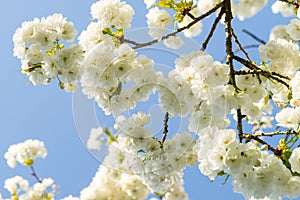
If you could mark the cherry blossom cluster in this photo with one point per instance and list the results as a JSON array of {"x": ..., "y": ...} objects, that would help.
[
  {"x": 25, "y": 153},
  {"x": 212, "y": 95},
  {"x": 19, "y": 188},
  {"x": 154, "y": 161},
  {"x": 108, "y": 68},
  {"x": 254, "y": 172},
  {"x": 113, "y": 181},
  {"x": 41, "y": 46}
]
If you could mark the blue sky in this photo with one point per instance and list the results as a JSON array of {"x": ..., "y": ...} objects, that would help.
[{"x": 45, "y": 112}]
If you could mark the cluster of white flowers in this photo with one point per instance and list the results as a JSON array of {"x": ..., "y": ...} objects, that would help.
[
  {"x": 255, "y": 173},
  {"x": 114, "y": 179},
  {"x": 159, "y": 20},
  {"x": 290, "y": 32},
  {"x": 106, "y": 70},
  {"x": 40, "y": 44},
  {"x": 199, "y": 88},
  {"x": 112, "y": 13},
  {"x": 158, "y": 165},
  {"x": 209, "y": 91},
  {"x": 114, "y": 184},
  {"x": 283, "y": 57},
  {"x": 284, "y": 37},
  {"x": 25, "y": 152},
  {"x": 289, "y": 118},
  {"x": 284, "y": 8},
  {"x": 19, "y": 189},
  {"x": 246, "y": 9}
]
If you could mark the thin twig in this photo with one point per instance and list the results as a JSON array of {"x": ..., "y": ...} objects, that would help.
[
  {"x": 254, "y": 36},
  {"x": 271, "y": 134},
  {"x": 264, "y": 143},
  {"x": 34, "y": 174},
  {"x": 213, "y": 28},
  {"x": 272, "y": 75},
  {"x": 259, "y": 71},
  {"x": 165, "y": 128},
  {"x": 238, "y": 49},
  {"x": 240, "y": 45},
  {"x": 197, "y": 19},
  {"x": 131, "y": 42}
]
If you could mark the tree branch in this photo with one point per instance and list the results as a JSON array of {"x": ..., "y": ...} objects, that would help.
[
  {"x": 34, "y": 174},
  {"x": 271, "y": 134},
  {"x": 238, "y": 49},
  {"x": 240, "y": 45},
  {"x": 191, "y": 15},
  {"x": 272, "y": 75},
  {"x": 254, "y": 36},
  {"x": 165, "y": 128},
  {"x": 212, "y": 30},
  {"x": 229, "y": 52},
  {"x": 240, "y": 123},
  {"x": 197, "y": 19},
  {"x": 253, "y": 137}
]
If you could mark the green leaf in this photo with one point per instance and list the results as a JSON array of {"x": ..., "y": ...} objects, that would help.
[
  {"x": 179, "y": 17},
  {"x": 165, "y": 3},
  {"x": 107, "y": 31}
]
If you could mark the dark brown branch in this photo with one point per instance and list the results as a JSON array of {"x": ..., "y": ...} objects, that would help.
[
  {"x": 271, "y": 134},
  {"x": 165, "y": 133},
  {"x": 240, "y": 45},
  {"x": 240, "y": 123},
  {"x": 254, "y": 36},
  {"x": 272, "y": 75},
  {"x": 131, "y": 42},
  {"x": 191, "y": 15},
  {"x": 228, "y": 28},
  {"x": 212, "y": 30},
  {"x": 244, "y": 47},
  {"x": 197, "y": 19},
  {"x": 275, "y": 151},
  {"x": 255, "y": 72}
]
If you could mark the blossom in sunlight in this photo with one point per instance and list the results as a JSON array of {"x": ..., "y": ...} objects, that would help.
[
  {"x": 25, "y": 152},
  {"x": 158, "y": 21},
  {"x": 281, "y": 7},
  {"x": 113, "y": 13},
  {"x": 95, "y": 139},
  {"x": 41, "y": 46},
  {"x": 173, "y": 42},
  {"x": 295, "y": 160}
]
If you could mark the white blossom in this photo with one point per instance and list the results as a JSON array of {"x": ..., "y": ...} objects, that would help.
[
  {"x": 96, "y": 139},
  {"x": 25, "y": 152},
  {"x": 173, "y": 42},
  {"x": 295, "y": 160},
  {"x": 158, "y": 21}
]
